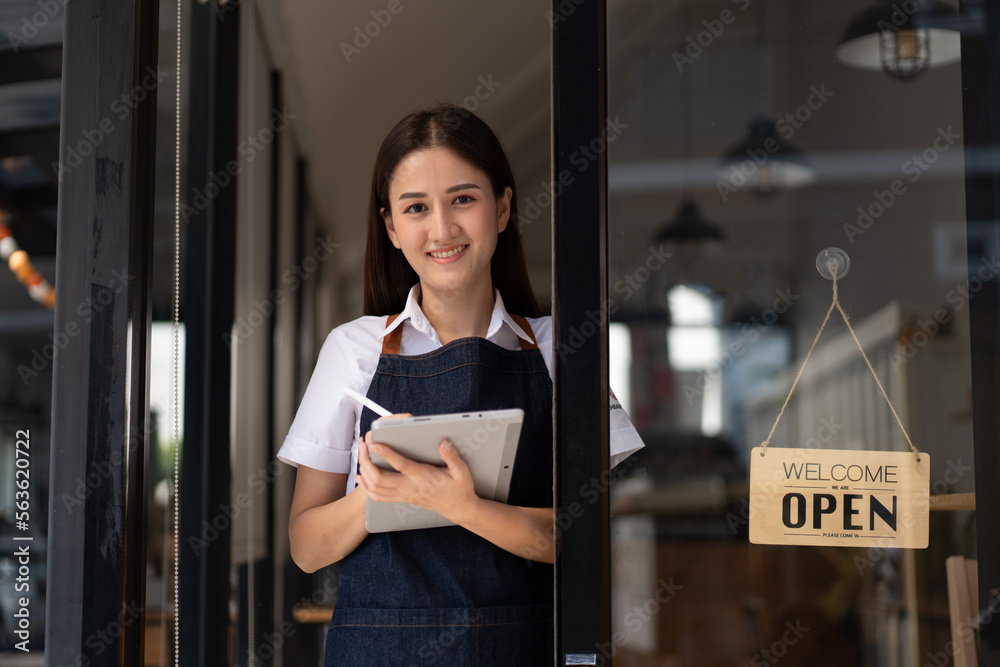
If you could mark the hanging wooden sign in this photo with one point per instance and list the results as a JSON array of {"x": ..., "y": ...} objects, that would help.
[{"x": 845, "y": 498}]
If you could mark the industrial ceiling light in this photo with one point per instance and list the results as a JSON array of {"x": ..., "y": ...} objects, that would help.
[
  {"x": 763, "y": 163},
  {"x": 689, "y": 230},
  {"x": 903, "y": 38}
]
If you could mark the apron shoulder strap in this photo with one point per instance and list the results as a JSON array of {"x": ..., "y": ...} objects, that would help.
[
  {"x": 390, "y": 344},
  {"x": 523, "y": 323}
]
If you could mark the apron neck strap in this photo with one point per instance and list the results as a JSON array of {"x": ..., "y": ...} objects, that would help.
[
  {"x": 390, "y": 344},
  {"x": 392, "y": 341}
]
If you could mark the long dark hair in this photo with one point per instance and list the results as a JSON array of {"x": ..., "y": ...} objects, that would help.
[{"x": 388, "y": 276}]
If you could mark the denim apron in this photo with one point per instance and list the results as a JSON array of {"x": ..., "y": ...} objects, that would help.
[{"x": 445, "y": 596}]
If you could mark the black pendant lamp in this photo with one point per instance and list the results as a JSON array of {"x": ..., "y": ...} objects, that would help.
[
  {"x": 904, "y": 38},
  {"x": 764, "y": 162},
  {"x": 688, "y": 229}
]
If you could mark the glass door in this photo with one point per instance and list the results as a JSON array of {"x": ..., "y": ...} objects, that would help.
[{"x": 756, "y": 135}]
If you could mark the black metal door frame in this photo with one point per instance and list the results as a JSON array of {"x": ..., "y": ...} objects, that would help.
[
  {"x": 96, "y": 547},
  {"x": 209, "y": 295},
  {"x": 583, "y": 572},
  {"x": 981, "y": 120}
]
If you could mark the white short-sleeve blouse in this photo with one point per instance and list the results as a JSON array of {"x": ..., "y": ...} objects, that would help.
[{"x": 325, "y": 432}]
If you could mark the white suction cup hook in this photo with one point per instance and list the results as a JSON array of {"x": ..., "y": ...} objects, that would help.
[{"x": 833, "y": 260}]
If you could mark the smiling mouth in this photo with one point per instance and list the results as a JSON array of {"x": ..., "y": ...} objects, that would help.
[{"x": 448, "y": 253}]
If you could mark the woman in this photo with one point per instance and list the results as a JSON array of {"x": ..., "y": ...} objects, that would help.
[{"x": 444, "y": 271}]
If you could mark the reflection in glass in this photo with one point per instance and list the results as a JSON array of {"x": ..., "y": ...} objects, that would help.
[{"x": 715, "y": 338}]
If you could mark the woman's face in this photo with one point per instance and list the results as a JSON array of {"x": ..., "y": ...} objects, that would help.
[{"x": 445, "y": 218}]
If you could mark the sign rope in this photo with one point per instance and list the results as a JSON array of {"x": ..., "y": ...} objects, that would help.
[{"x": 835, "y": 304}]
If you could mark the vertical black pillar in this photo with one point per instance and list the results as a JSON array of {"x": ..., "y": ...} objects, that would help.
[
  {"x": 299, "y": 587},
  {"x": 981, "y": 120},
  {"x": 96, "y": 558},
  {"x": 209, "y": 277},
  {"x": 580, "y": 332}
]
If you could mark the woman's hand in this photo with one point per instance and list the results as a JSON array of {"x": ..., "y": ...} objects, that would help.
[{"x": 448, "y": 490}]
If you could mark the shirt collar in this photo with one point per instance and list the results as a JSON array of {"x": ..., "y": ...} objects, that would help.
[
  {"x": 500, "y": 315},
  {"x": 412, "y": 311}
]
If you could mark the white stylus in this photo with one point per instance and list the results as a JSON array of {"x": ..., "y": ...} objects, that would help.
[{"x": 364, "y": 400}]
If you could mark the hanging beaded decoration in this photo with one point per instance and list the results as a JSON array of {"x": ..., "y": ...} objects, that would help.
[{"x": 22, "y": 268}]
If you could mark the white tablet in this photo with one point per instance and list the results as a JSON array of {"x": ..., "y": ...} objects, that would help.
[{"x": 486, "y": 441}]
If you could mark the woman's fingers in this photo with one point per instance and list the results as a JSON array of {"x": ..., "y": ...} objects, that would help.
[
  {"x": 412, "y": 482},
  {"x": 364, "y": 457},
  {"x": 381, "y": 484},
  {"x": 398, "y": 462},
  {"x": 397, "y": 415},
  {"x": 456, "y": 466},
  {"x": 372, "y": 476}
]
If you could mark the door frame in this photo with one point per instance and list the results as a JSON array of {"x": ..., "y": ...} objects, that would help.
[
  {"x": 100, "y": 395},
  {"x": 580, "y": 333},
  {"x": 981, "y": 136}
]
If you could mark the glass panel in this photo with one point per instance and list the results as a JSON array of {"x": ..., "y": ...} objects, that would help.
[{"x": 757, "y": 136}]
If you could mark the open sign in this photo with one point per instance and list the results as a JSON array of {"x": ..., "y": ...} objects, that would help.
[{"x": 839, "y": 498}]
